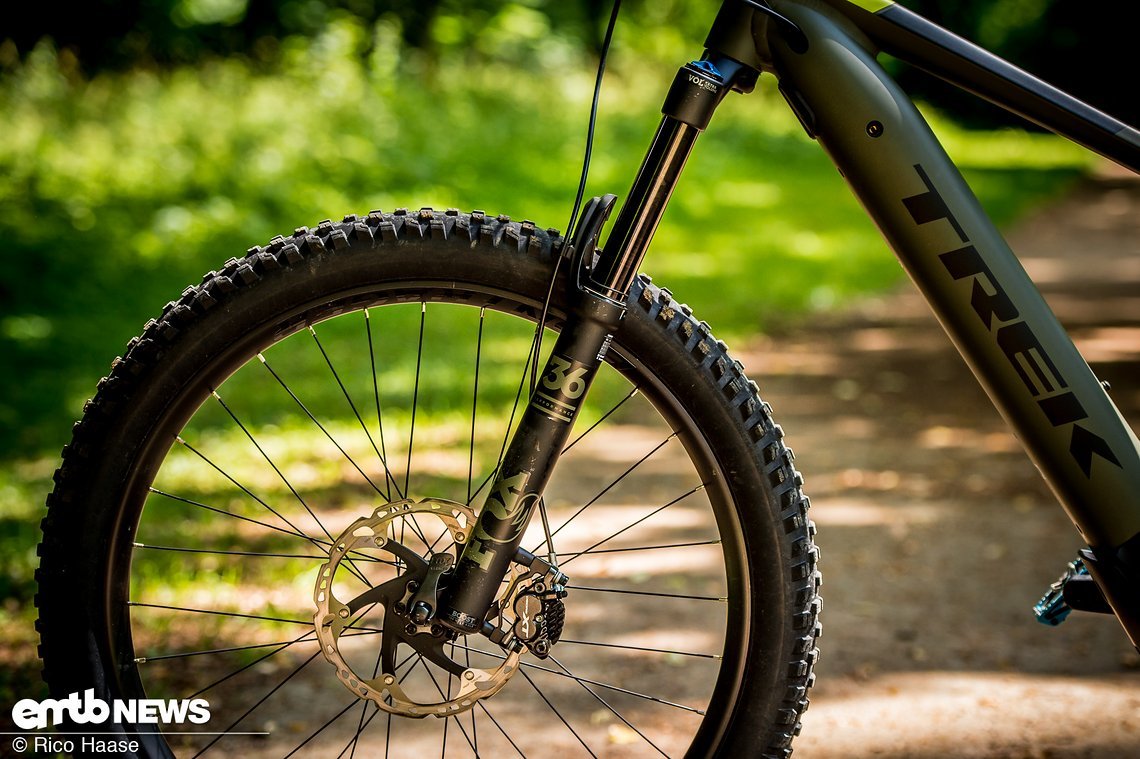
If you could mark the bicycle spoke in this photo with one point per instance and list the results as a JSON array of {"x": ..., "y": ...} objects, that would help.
[
  {"x": 260, "y": 701},
  {"x": 507, "y": 431},
  {"x": 265, "y": 455},
  {"x": 643, "y": 649},
  {"x": 475, "y": 404},
  {"x": 361, "y": 724},
  {"x": 604, "y": 703},
  {"x": 495, "y": 722},
  {"x": 299, "y": 639},
  {"x": 722, "y": 599},
  {"x": 630, "y": 526},
  {"x": 322, "y": 728},
  {"x": 601, "y": 419},
  {"x": 354, "y": 556},
  {"x": 360, "y": 728},
  {"x": 415, "y": 525},
  {"x": 351, "y": 567},
  {"x": 443, "y": 749},
  {"x": 251, "y": 647},
  {"x": 216, "y": 510},
  {"x": 598, "y": 683},
  {"x": 609, "y": 686},
  {"x": 557, "y": 713},
  {"x": 348, "y": 399},
  {"x": 206, "y": 689},
  {"x": 308, "y": 622},
  {"x": 607, "y": 488},
  {"x": 376, "y": 395},
  {"x": 415, "y": 395},
  {"x": 321, "y": 427},
  {"x": 474, "y": 727},
  {"x": 597, "y": 551},
  {"x": 302, "y": 638},
  {"x": 219, "y": 552},
  {"x": 548, "y": 537},
  {"x": 435, "y": 682},
  {"x": 178, "y": 439}
]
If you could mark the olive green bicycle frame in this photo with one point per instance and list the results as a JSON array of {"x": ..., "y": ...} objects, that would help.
[{"x": 977, "y": 288}]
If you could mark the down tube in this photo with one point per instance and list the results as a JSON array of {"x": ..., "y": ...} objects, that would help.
[{"x": 986, "y": 302}]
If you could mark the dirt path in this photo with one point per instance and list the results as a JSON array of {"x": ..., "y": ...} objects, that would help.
[{"x": 938, "y": 534}]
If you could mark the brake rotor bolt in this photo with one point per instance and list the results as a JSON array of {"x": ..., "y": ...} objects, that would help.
[
  {"x": 468, "y": 675},
  {"x": 344, "y": 613},
  {"x": 421, "y": 613}
]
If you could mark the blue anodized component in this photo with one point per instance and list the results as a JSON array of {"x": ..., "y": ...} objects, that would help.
[
  {"x": 707, "y": 67},
  {"x": 1051, "y": 609}
]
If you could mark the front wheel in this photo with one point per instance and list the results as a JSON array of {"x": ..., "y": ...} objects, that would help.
[{"x": 307, "y": 432}]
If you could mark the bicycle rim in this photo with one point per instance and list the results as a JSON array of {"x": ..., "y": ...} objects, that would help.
[{"x": 316, "y": 418}]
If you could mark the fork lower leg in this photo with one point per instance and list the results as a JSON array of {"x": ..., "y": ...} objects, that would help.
[{"x": 529, "y": 461}]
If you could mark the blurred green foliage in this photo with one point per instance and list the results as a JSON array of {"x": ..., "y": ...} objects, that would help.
[
  {"x": 118, "y": 189},
  {"x": 1082, "y": 49}
]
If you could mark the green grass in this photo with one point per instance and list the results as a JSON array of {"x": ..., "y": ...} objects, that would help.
[{"x": 117, "y": 192}]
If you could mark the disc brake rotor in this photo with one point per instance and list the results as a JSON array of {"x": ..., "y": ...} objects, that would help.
[{"x": 333, "y": 616}]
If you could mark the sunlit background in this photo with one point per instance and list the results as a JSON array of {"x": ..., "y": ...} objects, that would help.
[{"x": 144, "y": 143}]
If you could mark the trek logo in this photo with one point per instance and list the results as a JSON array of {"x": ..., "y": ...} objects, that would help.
[{"x": 1014, "y": 337}]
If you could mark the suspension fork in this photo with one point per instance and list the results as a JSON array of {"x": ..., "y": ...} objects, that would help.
[{"x": 596, "y": 313}]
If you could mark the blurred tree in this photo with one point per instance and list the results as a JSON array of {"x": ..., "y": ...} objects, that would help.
[
  {"x": 109, "y": 34},
  {"x": 1078, "y": 47}
]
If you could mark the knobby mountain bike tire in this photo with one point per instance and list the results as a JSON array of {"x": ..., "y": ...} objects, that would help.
[{"x": 382, "y": 360}]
